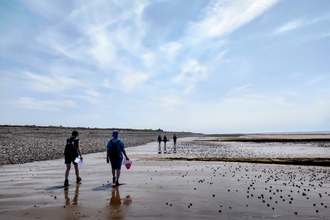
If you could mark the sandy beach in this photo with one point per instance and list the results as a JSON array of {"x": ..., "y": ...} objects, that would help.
[{"x": 156, "y": 188}]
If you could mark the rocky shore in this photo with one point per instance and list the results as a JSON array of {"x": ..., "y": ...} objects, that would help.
[{"x": 23, "y": 144}]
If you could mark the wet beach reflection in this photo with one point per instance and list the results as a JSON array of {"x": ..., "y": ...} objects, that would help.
[
  {"x": 75, "y": 198},
  {"x": 118, "y": 206}
]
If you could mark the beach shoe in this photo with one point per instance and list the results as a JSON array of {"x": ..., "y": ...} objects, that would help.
[
  {"x": 78, "y": 180},
  {"x": 66, "y": 182},
  {"x": 113, "y": 180},
  {"x": 117, "y": 183}
]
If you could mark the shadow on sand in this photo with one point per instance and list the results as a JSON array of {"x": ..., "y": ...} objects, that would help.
[{"x": 106, "y": 187}]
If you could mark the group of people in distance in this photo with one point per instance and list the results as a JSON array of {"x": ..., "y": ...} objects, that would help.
[
  {"x": 115, "y": 152},
  {"x": 165, "y": 140}
]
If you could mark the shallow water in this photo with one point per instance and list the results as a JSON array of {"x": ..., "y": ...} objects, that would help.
[{"x": 194, "y": 147}]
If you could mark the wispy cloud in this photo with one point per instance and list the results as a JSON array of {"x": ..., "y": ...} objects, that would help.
[
  {"x": 126, "y": 81},
  {"x": 191, "y": 73},
  {"x": 43, "y": 105},
  {"x": 318, "y": 79},
  {"x": 131, "y": 79},
  {"x": 48, "y": 83},
  {"x": 102, "y": 49},
  {"x": 223, "y": 17},
  {"x": 170, "y": 49},
  {"x": 289, "y": 26},
  {"x": 240, "y": 89}
]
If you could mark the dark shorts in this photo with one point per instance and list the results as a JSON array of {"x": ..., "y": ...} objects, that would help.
[
  {"x": 69, "y": 160},
  {"x": 116, "y": 163}
]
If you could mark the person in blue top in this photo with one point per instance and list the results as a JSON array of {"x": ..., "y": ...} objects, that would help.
[{"x": 115, "y": 151}]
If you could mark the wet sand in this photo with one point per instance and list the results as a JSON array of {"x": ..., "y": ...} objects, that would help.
[{"x": 160, "y": 189}]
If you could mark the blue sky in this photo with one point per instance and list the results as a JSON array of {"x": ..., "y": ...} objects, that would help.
[{"x": 201, "y": 66}]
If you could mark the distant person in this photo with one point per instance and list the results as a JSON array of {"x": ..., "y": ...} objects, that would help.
[
  {"x": 115, "y": 151},
  {"x": 174, "y": 142},
  {"x": 70, "y": 156},
  {"x": 159, "y": 144},
  {"x": 174, "y": 139},
  {"x": 165, "y": 140}
]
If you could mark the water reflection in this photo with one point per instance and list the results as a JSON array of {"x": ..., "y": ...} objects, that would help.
[
  {"x": 75, "y": 198},
  {"x": 159, "y": 148},
  {"x": 115, "y": 199},
  {"x": 166, "y": 150},
  {"x": 119, "y": 206}
]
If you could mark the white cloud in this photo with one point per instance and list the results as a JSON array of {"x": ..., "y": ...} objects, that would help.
[
  {"x": 44, "y": 83},
  {"x": 289, "y": 26},
  {"x": 191, "y": 73},
  {"x": 127, "y": 80},
  {"x": 224, "y": 17},
  {"x": 43, "y": 105},
  {"x": 102, "y": 49},
  {"x": 130, "y": 79},
  {"x": 240, "y": 89},
  {"x": 170, "y": 49},
  {"x": 169, "y": 101},
  {"x": 93, "y": 93},
  {"x": 148, "y": 59}
]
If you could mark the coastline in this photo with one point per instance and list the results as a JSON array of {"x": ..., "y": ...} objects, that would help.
[{"x": 26, "y": 144}]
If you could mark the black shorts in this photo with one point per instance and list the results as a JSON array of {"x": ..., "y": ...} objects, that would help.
[
  {"x": 116, "y": 163},
  {"x": 69, "y": 160}
]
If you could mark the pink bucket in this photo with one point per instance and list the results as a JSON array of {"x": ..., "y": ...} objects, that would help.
[{"x": 127, "y": 163}]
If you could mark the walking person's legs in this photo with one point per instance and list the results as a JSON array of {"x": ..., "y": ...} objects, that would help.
[
  {"x": 78, "y": 178},
  {"x": 67, "y": 171},
  {"x": 118, "y": 175},
  {"x": 76, "y": 169},
  {"x": 115, "y": 176},
  {"x": 68, "y": 167}
]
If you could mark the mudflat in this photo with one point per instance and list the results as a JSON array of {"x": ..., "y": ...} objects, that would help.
[{"x": 158, "y": 188}]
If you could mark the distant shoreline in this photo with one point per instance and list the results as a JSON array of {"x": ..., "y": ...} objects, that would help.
[
  {"x": 161, "y": 130},
  {"x": 24, "y": 144}
]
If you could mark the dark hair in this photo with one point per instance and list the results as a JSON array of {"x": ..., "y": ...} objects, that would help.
[{"x": 75, "y": 133}]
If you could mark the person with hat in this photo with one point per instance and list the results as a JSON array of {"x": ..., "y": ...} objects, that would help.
[{"x": 115, "y": 151}]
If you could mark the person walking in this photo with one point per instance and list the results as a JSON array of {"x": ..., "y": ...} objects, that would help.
[
  {"x": 174, "y": 139},
  {"x": 72, "y": 150},
  {"x": 159, "y": 142},
  {"x": 115, "y": 151},
  {"x": 165, "y": 140},
  {"x": 174, "y": 142}
]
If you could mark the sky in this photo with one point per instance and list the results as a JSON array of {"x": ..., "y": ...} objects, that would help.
[{"x": 214, "y": 67}]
